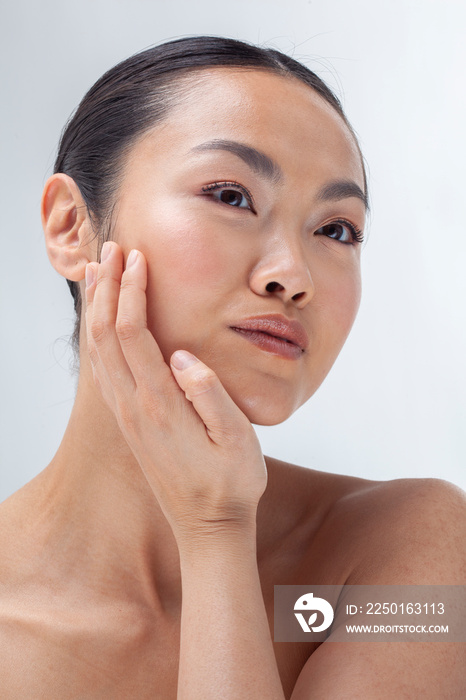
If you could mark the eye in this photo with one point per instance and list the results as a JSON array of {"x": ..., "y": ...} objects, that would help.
[
  {"x": 231, "y": 193},
  {"x": 342, "y": 231}
]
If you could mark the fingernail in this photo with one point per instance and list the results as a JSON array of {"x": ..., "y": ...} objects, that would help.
[
  {"x": 106, "y": 250},
  {"x": 182, "y": 359},
  {"x": 90, "y": 275},
  {"x": 132, "y": 257}
]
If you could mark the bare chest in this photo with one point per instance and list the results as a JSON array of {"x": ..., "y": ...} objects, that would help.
[
  {"x": 49, "y": 659},
  {"x": 58, "y": 649}
]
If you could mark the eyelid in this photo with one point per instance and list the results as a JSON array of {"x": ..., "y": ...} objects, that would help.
[
  {"x": 357, "y": 234},
  {"x": 225, "y": 184}
]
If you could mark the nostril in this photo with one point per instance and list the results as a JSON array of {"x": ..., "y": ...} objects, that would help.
[
  {"x": 274, "y": 287},
  {"x": 298, "y": 296}
]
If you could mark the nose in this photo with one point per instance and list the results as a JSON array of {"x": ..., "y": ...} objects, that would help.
[{"x": 284, "y": 272}]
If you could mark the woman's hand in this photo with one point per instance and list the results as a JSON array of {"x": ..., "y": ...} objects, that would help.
[{"x": 197, "y": 449}]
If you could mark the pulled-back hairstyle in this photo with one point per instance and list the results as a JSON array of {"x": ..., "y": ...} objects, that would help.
[{"x": 132, "y": 98}]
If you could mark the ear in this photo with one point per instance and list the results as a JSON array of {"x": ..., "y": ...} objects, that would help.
[{"x": 66, "y": 226}]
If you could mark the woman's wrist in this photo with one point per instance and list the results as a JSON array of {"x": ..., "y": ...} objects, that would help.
[{"x": 221, "y": 537}]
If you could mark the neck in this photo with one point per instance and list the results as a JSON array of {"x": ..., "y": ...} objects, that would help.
[
  {"x": 98, "y": 517},
  {"x": 90, "y": 517}
]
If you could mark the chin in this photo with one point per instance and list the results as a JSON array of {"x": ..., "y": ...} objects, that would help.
[
  {"x": 264, "y": 410},
  {"x": 266, "y": 400}
]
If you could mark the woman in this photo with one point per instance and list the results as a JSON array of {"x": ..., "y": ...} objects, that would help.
[{"x": 213, "y": 196}]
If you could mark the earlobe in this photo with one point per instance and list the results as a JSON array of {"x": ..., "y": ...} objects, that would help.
[{"x": 66, "y": 225}]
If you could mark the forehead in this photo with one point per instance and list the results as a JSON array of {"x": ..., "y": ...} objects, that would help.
[{"x": 280, "y": 115}]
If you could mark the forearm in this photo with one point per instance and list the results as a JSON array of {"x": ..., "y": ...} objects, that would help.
[{"x": 226, "y": 649}]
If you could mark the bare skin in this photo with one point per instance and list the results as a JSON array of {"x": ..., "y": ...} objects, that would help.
[{"x": 98, "y": 549}]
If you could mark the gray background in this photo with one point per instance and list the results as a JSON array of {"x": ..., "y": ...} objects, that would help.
[{"x": 393, "y": 406}]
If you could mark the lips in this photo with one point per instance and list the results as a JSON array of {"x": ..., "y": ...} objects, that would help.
[{"x": 274, "y": 326}]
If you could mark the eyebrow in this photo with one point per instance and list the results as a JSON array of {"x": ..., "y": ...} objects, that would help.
[
  {"x": 270, "y": 170},
  {"x": 257, "y": 161},
  {"x": 342, "y": 189}
]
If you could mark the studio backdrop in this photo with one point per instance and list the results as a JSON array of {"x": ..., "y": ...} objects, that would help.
[{"x": 393, "y": 405}]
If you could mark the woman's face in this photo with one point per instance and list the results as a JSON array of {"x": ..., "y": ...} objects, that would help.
[{"x": 231, "y": 235}]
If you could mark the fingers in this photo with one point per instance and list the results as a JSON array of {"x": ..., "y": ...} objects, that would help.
[
  {"x": 137, "y": 343},
  {"x": 128, "y": 364},
  {"x": 223, "y": 419},
  {"x": 109, "y": 365},
  {"x": 124, "y": 354}
]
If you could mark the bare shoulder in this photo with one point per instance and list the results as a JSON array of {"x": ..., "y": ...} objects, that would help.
[
  {"x": 298, "y": 500},
  {"x": 387, "y": 532},
  {"x": 400, "y": 532},
  {"x": 10, "y": 535},
  {"x": 407, "y": 531},
  {"x": 18, "y": 523}
]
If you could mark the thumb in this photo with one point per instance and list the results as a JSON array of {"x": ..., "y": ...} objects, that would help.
[{"x": 220, "y": 415}]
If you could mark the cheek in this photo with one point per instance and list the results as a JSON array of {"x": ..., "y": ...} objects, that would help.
[
  {"x": 333, "y": 315},
  {"x": 185, "y": 253},
  {"x": 335, "y": 307},
  {"x": 184, "y": 256},
  {"x": 345, "y": 299},
  {"x": 189, "y": 274},
  {"x": 338, "y": 290}
]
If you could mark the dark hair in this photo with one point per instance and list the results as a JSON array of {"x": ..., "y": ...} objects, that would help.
[{"x": 131, "y": 98}]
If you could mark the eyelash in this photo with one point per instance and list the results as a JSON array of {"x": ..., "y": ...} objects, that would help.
[
  {"x": 356, "y": 233},
  {"x": 232, "y": 185}
]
